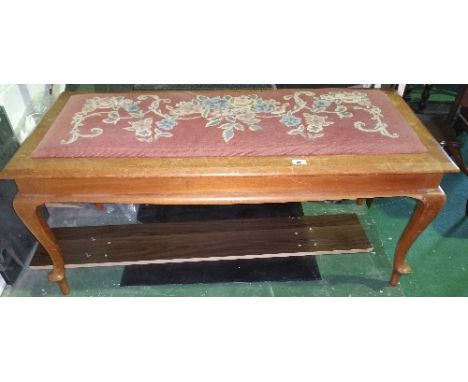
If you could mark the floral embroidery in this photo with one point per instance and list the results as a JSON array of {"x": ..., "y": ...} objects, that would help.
[
  {"x": 166, "y": 123},
  {"x": 227, "y": 113},
  {"x": 315, "y": 124},
  {"x": 379, "y": 126},
  {"x": 131, "y": 107},
  {"x": 290, "y": 120},
  {"x": 320, "y": 105},
  {"x": 142, "y": 129},
  {"x": 230, "y": 114},
  {"x": 214, "y": 103},
  {"x": 265, "y": 106}
]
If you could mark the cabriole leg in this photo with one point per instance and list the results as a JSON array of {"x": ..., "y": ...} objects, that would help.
[
  {"x": 28, "y": 210},
  {"x": 429, "y": 205}
]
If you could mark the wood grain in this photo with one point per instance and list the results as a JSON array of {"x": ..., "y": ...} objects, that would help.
[{"x": 208, "y": 240}]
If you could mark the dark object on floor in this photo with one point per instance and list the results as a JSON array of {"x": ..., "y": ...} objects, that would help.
[
  {"x": 443, "y": 119},
  {"x": 160, "y": 87},
  {"x": 445, "y": 128},
  {"x": 437, "y": 125},
  {"x": 426, "y": 93},
  {"x": 254, "y": 270},
  {"x": 251, "y": 270},
  {"x": 16, "y": 242},
  {"x": 312, "y": 86},
  {"x": 193, "y": 87},
  {"x": 445, "y": 135},
  {"x": 421, "y": 102},
  {"x": 149, "y": 213},
  {"x": 8, "y": 142},
  {"x": 457, "y": 122},
  {"x": 207, "y": 240},
  {"x": 99, "y": 87},
  {"x": 10, "y": 264},
  {"x": 367, "y": 201}
]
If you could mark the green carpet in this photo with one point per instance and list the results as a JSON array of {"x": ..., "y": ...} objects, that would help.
[{"x": 439, "y": 93}]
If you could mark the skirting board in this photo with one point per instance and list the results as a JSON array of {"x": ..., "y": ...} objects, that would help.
[{"x": 214, "y": 240}]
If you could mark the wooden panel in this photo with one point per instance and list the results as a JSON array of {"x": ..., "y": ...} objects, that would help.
[
  {"x": 230, "y": 184},
  {"x": 208, "y": 240}
]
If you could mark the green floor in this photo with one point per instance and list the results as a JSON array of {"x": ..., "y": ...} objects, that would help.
[{"x": 439, "y": 259}]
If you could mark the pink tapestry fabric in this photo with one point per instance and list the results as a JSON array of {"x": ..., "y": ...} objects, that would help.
[{"x": 224, "y": 124}]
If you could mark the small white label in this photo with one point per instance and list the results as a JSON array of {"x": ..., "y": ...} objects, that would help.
[{"x": 299, "y": 161}]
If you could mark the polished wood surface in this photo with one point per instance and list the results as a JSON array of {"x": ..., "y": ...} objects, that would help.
[
  {"x": 210, "y": 240},
  {"x": 224, "y": 180}
]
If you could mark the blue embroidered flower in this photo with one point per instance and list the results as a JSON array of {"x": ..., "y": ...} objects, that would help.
[
  {"x": 131, "y": 107},
  {"x": 319, "y": 103},
  {"x": 215, "y": 103},
  {"x": 290, "y": 120},
  {"x": 166, "y": 123},
  {"x": 265, "y": 106}
]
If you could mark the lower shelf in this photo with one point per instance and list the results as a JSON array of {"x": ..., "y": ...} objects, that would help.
[{"x": 207, "y": 241}]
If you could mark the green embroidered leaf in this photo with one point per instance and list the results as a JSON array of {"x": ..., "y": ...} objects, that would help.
[
  {"x": 299, "y": 101},
  {"x": 226, "y": 126},
  {"x": 137, "y": 115},
  {"x": 165, "y": 134},
  {"x": 228, "y": 134},
  {"x": 346, "y": 114},
  {"x": 214, "y": 121},
  {"x": 204, "y": 113},
  {"x": 254, "y": 128},
  {"x": 239, "y": 127},
  {"x": 314, "y": 136},
  {"x": 112, "y": 117},
  {"x": 148, "y": 140},
  {"x": 298, "y": 131},
  {"x": 143, "y": 133},
  {"x": 231, "y": 118},
  {"x": 359, "y": 125},
  {"x": 340, "y": 108},
  {"x": 318, "y": 109},
  {"x": 295, "y": 132},
  {"x": 154, "y": 105}
]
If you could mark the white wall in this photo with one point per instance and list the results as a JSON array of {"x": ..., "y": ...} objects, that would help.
[
  {"x": 20, "y": 102},
  {"x": 2, "y": 284}
]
